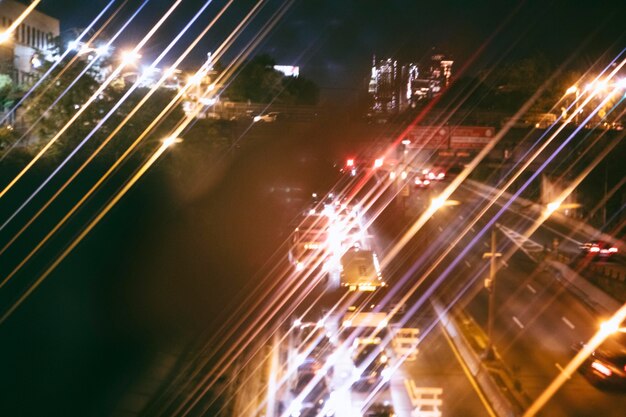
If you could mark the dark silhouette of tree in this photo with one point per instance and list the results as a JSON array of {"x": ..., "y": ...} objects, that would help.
[{"x": 259, "y": 82}]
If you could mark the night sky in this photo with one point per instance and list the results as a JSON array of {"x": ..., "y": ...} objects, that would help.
[{"x": 333, "y": 41}]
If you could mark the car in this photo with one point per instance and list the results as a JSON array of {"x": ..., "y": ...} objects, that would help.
[
  {"x": 313, "y": 343},
  {"x": 434, "y": 174},
  {"x": 606, "y": 366},
  {"x": 421, "y": 182},
  {"x": 598, "y": 249},
  {"x": 370, "y": 361},
  {"x": 380, "y": 410},
  {"x": 267, "y": 117},
  {"x": 310, "y": 397}
]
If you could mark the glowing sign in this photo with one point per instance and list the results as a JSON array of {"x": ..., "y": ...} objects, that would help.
[{"x": 288, "y": 70}]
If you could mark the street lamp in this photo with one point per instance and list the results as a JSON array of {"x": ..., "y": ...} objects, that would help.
[
  {"x": 5, "y": 37},
  {"x": 439, "y": 202},
  {"x": 574, "y": 90},
  {"x": 130, "y": 57},
  {"x": 171, "y": 140}
]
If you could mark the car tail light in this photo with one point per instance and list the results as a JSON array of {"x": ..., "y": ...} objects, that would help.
[
  {"x": 594, "y": 249},
  {"x": 350, "y": 163},
  {"x": 613, "y": 250},
  {"x": 602, "y": 368}
]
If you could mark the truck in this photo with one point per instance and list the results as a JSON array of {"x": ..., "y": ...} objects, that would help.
[{"x": 360, "y": 270}]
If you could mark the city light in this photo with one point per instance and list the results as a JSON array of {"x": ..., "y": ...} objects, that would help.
[
  {"x": 437, "y": 203},
  {"x": 130, "y": 57},
  {"x": 169, "y": 141},
  {"x": 378, "y": 162},
  {"x": 552, "y": 207},
  {"x": 5, "y": 37},
  {"x": 102, "y": 50}
]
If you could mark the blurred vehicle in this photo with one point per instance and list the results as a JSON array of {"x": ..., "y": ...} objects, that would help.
[
  {"x": 380, "y": 410},
  {"x": 267, "y": 117},
  {"x": 404, "y": 343},
  {"x": 606, "y": 366},
  {"x": 370, "y": 362},
  {"x": 433, "y": 174},
  {"x": 360, "y": 270},
  {"x": 309, "y": 242},
  {"x": 313, "y": 342},
  {"x": 421, "y": 182},
  {"x": 598, "y": 249},
  {"x": 310, "y": 397}
]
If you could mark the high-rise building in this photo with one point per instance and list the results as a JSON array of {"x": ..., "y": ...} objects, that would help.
[
  {"x": 384, "y": 86},
  {"x": 394, "y": 88},
  {"x": 22, "y": 51}
]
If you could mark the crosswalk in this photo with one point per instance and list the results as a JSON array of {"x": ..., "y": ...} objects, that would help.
[{"x": 527, "y": 245}]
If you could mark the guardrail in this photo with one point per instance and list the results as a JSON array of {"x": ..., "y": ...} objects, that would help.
[{"x": 607, "y": 277}]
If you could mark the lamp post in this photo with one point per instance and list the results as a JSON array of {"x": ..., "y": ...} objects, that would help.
[{"x": 490, "y": 284}]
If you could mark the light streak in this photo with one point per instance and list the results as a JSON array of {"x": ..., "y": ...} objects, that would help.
[
  {"x": 92, "y": 224},
  {"x": 598, "y": 338},
  {"x": 44, "y": 77},
  {"x": 176, "y": 99},
  {"x": 89, "y": 135},
  {"x": 84, "y": 106},
  {"x": 6, "y": 35},
  {"x": 105, "y": 141}
]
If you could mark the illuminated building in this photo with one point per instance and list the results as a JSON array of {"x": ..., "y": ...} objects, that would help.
[
  {"x": 24, "y": 50},
  {"x": 394, "y": 88}
]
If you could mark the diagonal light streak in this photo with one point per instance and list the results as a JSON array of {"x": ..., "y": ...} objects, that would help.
[
  {"x": 57, "y": 63},
  {"x": 94, "y": 96},
  {"x": 176, "y": 99},
  {"x": 154, "y": 88},
  {"x": 153, "y": 158},
  {"x": 440, "y": 279},
  {"x": 480, "y": 234},
  {"x": 106, "y": 209},
  {"x": 11, "y": 29},
  {"x": 598, "y": 338},
  {"x": 89, "y": 135},
  {"x": 65, "y": 68}
]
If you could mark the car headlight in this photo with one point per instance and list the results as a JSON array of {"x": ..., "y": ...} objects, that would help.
[{"x": 386, "y": 374}]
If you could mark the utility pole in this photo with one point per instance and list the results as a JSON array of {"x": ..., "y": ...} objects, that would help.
[{"x": 490, "y": 284}]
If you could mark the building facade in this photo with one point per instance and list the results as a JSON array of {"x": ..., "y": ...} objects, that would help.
[
  {"x": 30, "y": 43},
  {"x": 393, "y": 87}
]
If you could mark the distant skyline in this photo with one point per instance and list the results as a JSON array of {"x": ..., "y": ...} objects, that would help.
[{"x": 333, "y": 41}]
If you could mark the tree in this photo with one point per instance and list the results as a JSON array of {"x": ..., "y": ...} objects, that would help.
[
  {"x": 259, "y": 82},
  {"x": 10, "y": 92},
  {"x": 299, "y": 90},
  {"x": 56, "y": 102}
]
